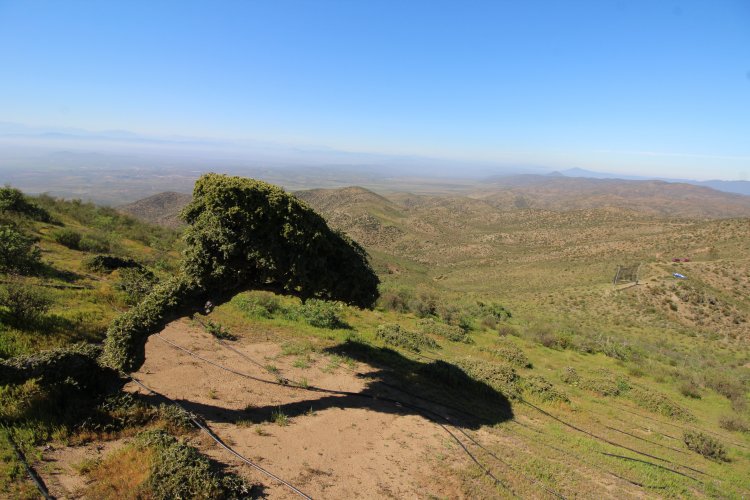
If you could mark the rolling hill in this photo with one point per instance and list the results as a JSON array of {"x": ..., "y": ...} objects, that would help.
[{"x": 498, "y": 335}]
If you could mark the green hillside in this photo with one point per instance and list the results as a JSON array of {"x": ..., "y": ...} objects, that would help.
[{"x": 499, "y": 325}]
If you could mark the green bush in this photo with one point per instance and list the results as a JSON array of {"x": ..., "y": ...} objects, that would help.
[
  {"x": 218, "y": 331},
  {"x": 181, "y": 471},
  {"x": 321, "y": 314},
  {"x": 393, "y": 334},
  {"x": 450, "y": 332},
  {"x": 689, "y": 389},
  {"x": 257, "y": 304},
  {"x": 570, "y": 376},
  {"x": 18, "y": 253},
  {"x": 493, "y": 310},
  {"x": 544, "y": 390},
  {"x": 601, "y": 343},
  {"x": 95, "y": 244},
  {"x": 395, "y": 300},
  {"x": 705, "y": 445},
  {"x": 108, "y": 263},
  {"x": 606, "y": 383},
  {"x": 68, "y": 238},
  {"x": 13, "y": 200},
  {"x": 124, "y": 410},
  {"x": 659, "y": 403},
  {"x": 424, "y": 304},
  {"x": 553, "y": 340},
  {"x": 26, "y": 304},
  {"x": 501, "y": 377},
  {"x": 509, "y": 353},
  {"x": 77, "y": 363}
]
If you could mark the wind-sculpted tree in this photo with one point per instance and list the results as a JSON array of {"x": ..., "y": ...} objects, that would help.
[{"x": 245, "y": 234}]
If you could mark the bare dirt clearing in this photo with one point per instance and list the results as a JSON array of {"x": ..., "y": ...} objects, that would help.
[{"x": 329, "y": 446}]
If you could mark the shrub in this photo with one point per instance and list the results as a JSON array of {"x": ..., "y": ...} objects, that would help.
[
  {"x": 424, "y": 304},
  {"x": 95, "y": 244},
  {"x": 505, "y": 330},
  {"x": 705, "y": 445},
  {"x": 77, "y": 362},
  {"x": 734, "y": 423},
  {"x": 18, "y": 253},
  {"x": 68, "y": 238},
  {"x": 548, "y": 337},
  {"x": 723, "y": 383},
  {"x": 321, "y": 314},
  {"x": 450, "y": 332},
  {"x": 218, "y": 331},
  {"x": 393, "y": 334},
  {"x": 450, "y": 313},
  {"x": 511, "y": 354},
  {"x": 570, "y": 376},
  {"x": 25, "y": 303},
  {"x": 659, "y": 403},
  {"x": 395, "y": 300},
  {"x": 180, "y": 471},
  {"x": 495, "y": 311},
  {"x": 13, "y": 200},
  {"x": 108, "y": 263},
  {"x": 544, "y": 389},
  {"x": 501, "y": 377},
  {"x": 689, "y": 389},
  {"x": 604, "y": 344},
  {"x": 135, "y": 283},
  {"x": 602, "y": 386},
  {"x": 257, "y": 304},
  {"x": 124, "y": 410},
  {"x": 606, "y": 384}
]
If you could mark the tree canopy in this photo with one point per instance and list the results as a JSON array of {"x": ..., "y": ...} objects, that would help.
[
  {"x": 249, "y": 234},
  {"x": 245, "y": 234}
]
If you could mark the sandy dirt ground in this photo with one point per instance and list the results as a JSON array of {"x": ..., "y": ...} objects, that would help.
[{"x": 333, "y": 446}]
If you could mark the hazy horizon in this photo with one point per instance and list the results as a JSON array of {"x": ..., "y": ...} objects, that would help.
[{"x": 635, "y": 89}]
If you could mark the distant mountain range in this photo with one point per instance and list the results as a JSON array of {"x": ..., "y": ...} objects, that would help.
[
  {"x": 739, "y": 187},
  {"x": 555, "y": 193}
]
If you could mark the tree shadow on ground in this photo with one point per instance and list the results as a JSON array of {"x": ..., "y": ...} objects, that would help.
[
  {"x": 48, "y": 271},
  {"x": 399, "y": 385}
]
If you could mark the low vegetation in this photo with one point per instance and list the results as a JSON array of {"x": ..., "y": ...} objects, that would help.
[
  {"x": 394, "y": 335},
  {"x": 705, "y": 445},
  {"x": 159, "y": 466},
  {"x": 639, "y": 360}
]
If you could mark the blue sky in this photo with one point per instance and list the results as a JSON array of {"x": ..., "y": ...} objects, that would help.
[{"x": 652, "y": 87}]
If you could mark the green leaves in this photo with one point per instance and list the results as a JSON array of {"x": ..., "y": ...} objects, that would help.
[
  {"x": 248, "y": 234},
  {"x": 245, "y": 234},
  {"x": 18, "y": 253}
]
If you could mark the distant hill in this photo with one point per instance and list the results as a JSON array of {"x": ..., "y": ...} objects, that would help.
[
  {"x": 375, "y": 219},
  {"x": 650, "y": 197},
  {"x": 162, "y": 209},
  {"x": 737, "y": 187}
]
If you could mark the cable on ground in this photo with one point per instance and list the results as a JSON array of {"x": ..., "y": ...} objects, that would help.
[
  {"x": 221, "y": 443},
  {"x": 29, "y": 470}
]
